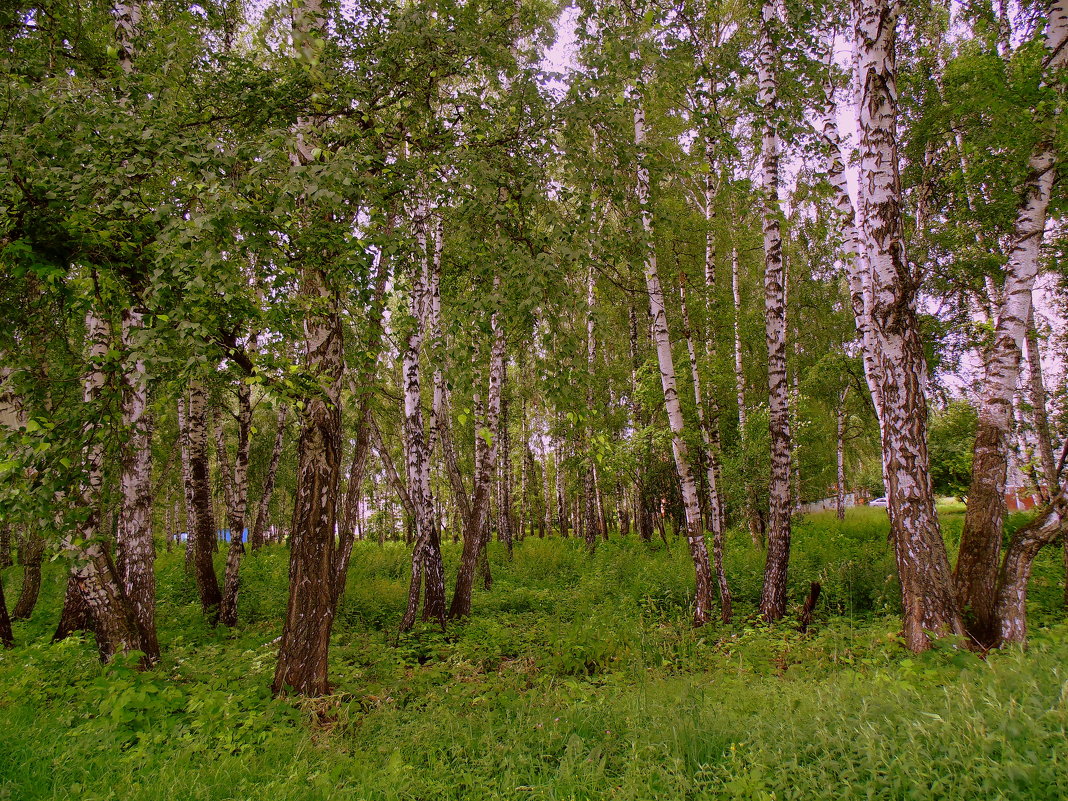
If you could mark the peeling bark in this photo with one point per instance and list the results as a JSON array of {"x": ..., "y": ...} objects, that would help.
[
  {"x": 136, "y": 552},
  {"x": 977, "y": 565},
  {"x": 923, "y": 566},
  {"x": 773, "y": 594}
]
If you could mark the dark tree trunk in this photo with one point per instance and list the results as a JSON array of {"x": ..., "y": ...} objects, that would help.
[
  {"x": 7, "y": 638},
  {"x": 203, "y": 534},
  {"x": 5, "y": 546},
  {"x": 30, "y": 555},
  {"x": 75, "y": 615}
]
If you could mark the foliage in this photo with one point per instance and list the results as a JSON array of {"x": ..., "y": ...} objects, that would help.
[{"x": 577, "y": 677}]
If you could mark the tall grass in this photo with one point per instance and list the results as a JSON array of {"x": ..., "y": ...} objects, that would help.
[{"x": 578, "y": 677}]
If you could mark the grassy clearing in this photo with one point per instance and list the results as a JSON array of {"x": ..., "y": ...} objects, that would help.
[{"x": 576, "y": 678}]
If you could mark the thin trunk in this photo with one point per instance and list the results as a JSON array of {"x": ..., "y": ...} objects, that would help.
[
  {"x": 5, "y": 546},
  {"x": 486, "y": 459},
  {"x": 504, "y": 502},
  {"x": 1037, "y": 395},
  {"x": 694, "y": 526},
  {"x": 588, "y": 480},
  {"x": 923, "y": 566},
  {"x": 237, "y": 502},
  {"x": 30, "y": 556},
  {"x": 715, "y": 504},
  {"x": 203, "y": 534},
  {"x": 256, "y": 537},
  {"x": 7, "y": 638},
  {"x": 839, "y": 440},
  {"x": 187, "y": 481}
]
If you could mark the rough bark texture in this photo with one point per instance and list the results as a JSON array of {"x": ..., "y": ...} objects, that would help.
[
  {"x": 977, "y": 565},
  {"x": 923, "y": 566},
  {"x": 203, "y": 513},
  {"x": 1010, "y": 611},
  {"x": 773, "y": 594},
  {"x": 135, "y": 551},
  {"x": 427, "y": 551},
  {"x": 659, "y": 328},
  {"x": 30, "y": 556},
  {"x": 7, "y": 638},
  {"x": 92, "y": 571}
]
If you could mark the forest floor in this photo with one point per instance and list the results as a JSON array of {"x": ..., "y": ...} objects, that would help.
[{"x": 576, "y": 678}]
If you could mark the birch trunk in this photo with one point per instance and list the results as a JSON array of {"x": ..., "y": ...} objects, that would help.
[
  {"x": 715, "y": 505},
  {"x": 416, "y": 446},
  {"x": 236, "y": 503},
  {"x": 7, "y": 638},
  {"x": 203, "y": 536},
  {"x": 659, "y": 327},
  {"x": 980, "y": 549},
  {"x": 303, "y": 653},
  {"x": 97, "y": 587},
  {"x": 589, "y": 482},
  {"x": 256, "y": 537},
  {"x": 30, "y": 556},
  {"x": 923, "y": 566},
  {"x": 773, "y": 595},
  {"x": 1040, "y": 418},
  {"x": 839, "y": 441},
  {"x": 485, "y": 463}
]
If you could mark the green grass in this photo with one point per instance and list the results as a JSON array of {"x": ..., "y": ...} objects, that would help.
[{"x": 576, "y": 678}]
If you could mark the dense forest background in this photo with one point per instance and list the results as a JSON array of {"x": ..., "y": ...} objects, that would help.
[{"x": 392, "y": 322}]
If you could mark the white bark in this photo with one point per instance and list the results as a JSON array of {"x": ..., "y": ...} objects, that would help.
[{"x": 662, "y": 341}]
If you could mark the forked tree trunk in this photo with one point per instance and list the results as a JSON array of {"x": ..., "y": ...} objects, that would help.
[
  {"x": 659, "y": 327},
  {"x": 752, "y": 516},
  {"x": 980, "y": 548},
  {"x": 93, "y": 574},
  {"x": 136, "y": 552},
  {"x": 923, "y": 566},
  {"x": 203, "y": 513},
  {"x": 1010, "y": 610},
  {"x": 773, "y": 594},
  {"x": 256, "y": 537}
]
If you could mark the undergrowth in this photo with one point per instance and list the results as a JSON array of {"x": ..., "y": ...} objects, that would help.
[{"x": 577, "y": 677}]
